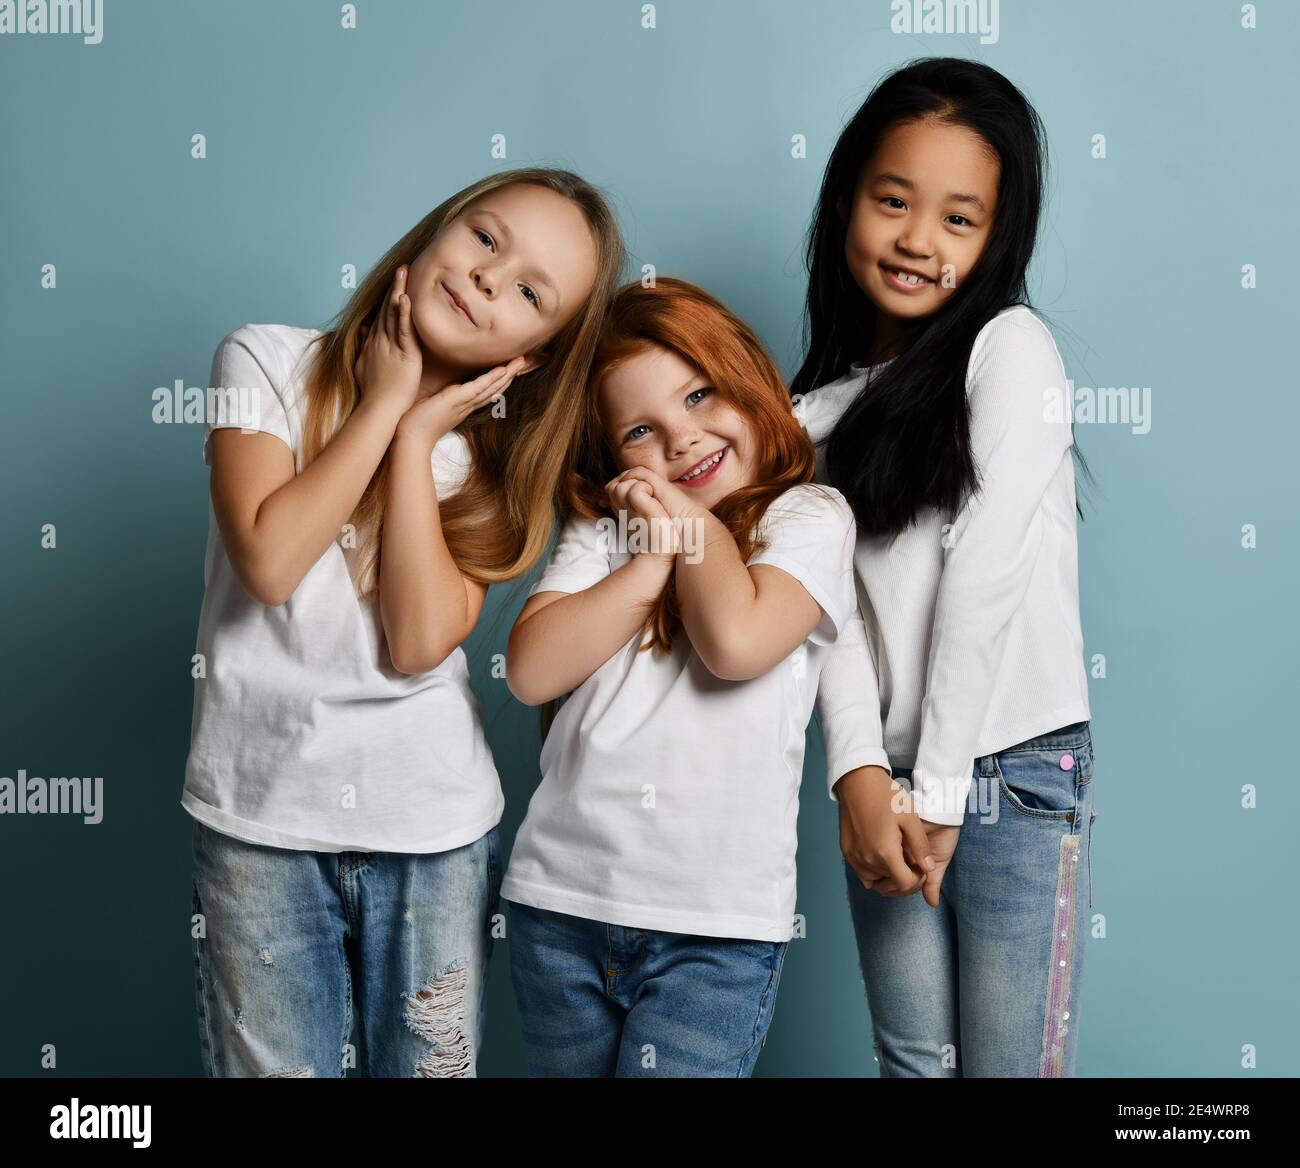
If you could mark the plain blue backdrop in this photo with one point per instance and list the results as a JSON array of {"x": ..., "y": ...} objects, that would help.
[{"x": 324, "y": 145}]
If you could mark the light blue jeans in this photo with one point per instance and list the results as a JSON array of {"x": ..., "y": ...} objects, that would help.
[
  {"x": 299, "y": 944},
  {"x": 988, "y": 983},
  {"x": 598, "y": 1000}
]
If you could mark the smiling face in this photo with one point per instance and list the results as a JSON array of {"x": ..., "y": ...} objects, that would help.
[
  {"x": 662, "y": 413},
  {"x": 500, "y": 279},
  {"x": 921, "y": 217}
]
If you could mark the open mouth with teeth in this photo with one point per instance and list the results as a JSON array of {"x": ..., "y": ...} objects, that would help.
[
  {"x": 704, "y": 470},
  {"x": 908, "y": 279}
]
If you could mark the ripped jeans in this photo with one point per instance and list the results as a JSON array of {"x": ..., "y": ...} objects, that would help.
[
  {"x": 988, "y": 984},
  {"x": 297, "y": 945}
]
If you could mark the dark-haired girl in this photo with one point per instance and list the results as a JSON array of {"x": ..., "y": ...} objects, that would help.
[{"x": 934, "y": 395}]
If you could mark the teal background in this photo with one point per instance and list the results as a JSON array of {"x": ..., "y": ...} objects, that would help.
[{"x": 325, "y": 145}]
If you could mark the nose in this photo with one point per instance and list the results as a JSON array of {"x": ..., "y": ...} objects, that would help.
[
  {"x": 915, "y": 240},
  {"x": 681, "y": 438},
  {"x": 485, "y": 280}
]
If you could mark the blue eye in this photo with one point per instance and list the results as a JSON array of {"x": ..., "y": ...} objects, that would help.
[
  {"x": 705, "y": 389},
  {"x": 632, "y": 433}
]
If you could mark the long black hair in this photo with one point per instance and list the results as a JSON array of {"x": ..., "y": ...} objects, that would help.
[{"x": 904, "y": 443}]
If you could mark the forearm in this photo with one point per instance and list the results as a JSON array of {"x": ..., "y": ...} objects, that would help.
[
  {"x": 558, "y": 647},
  {"x": 296, "y": 523},
  {"x": 717, "y": 596},
  {"x": 423, "y": 598}
]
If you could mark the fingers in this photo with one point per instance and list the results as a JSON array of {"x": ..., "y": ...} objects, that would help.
[
  {"x": 483, "y": 389},
  {"x": 902, "y": 876},
  {"x": 618, "y": 494},
  {"x": 916, "y": 843},
  {"x": 933, "y": 881},
  {"x": 391, "y": 312},
  {"x": 505, "y": 372},
  {"x": 865, "y": 874},
  {"x": 640, "y": 493},
  {"x": 404, "y": 336},
  {"x": 637, "y": 474}
]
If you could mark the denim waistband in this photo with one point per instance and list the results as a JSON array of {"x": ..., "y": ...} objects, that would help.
[{"x": 1072, "y": 737}]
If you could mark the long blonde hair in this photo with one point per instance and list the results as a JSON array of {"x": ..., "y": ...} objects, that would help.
[{"x": 499, "y": 522}]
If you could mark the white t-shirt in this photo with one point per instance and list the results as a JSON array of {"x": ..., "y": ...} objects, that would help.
[
  {"x": 304, "y": 735},
  {"x": 669, "y": 797},
  {"x": 972, "y": 635}
]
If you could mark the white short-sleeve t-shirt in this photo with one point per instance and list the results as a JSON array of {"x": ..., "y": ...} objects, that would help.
[
  {"x": 304, "y": 736},
  {"x": 669, "y": 797}
]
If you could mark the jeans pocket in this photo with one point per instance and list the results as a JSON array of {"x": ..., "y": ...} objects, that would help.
[{"x": 1034, "y": 784}]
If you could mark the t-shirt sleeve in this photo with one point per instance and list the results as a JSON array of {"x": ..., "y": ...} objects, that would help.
[
  {"x": 246, "y": 386},
  {"x": 580, "y": 559},
  {"x": 810, "y": 535},
  {"x": 451, "y": 462}
]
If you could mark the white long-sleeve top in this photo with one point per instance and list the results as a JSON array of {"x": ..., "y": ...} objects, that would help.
[{"x": 970, "y": 640}]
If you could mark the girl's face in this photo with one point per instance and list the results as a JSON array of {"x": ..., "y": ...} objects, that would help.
[
  {"x": 661, "y": 413},
  {"x": 921, "y": 217},
  {"x": 519, "y": 260}
]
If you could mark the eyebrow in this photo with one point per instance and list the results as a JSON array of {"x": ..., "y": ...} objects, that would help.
[
  {"x": 908, "y": 185},
  {"x": 621, "y": 425},
  {"x": 540, "y": 276}
]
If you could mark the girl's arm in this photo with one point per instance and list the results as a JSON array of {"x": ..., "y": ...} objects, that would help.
[
  {"x": 562, "y": 638},
  {"x": 743, "y": 619},
  {"x": 276, "y": 524},
  {"x": 427, "y": 605},
  {"x": 1023, "y": 453},
  {"x": 565, "y": 633}
]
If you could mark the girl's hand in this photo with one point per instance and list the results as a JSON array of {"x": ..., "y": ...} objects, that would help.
[
  {"x": 882, "y": 838},
  {"x": 439, "y": 413},
  {"x": 942, "y": 844},
  {"x": 674, "y": 501},
  {"x": 635, "y": 497},
  {"x": 390, "y": 363}
]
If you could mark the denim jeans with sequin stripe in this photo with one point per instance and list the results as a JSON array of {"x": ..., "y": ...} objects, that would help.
[{"x": 988, "y": 984}]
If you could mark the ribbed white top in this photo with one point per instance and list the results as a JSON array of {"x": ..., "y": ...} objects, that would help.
[{"x": 970, "y": 639}]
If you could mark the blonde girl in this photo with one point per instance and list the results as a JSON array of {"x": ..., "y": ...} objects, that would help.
[{"x": 344, "y": 798}]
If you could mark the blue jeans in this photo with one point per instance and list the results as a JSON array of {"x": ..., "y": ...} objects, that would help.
[
  {"x": 988, "y": 983},
  {"x": 598, "y": 1000},
  {"x": 298, "y": 943}
]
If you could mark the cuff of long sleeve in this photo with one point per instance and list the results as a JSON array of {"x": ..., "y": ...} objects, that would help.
[
  {"x": 844, "y": 761},
  {"x": 941, "y": 799}
]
